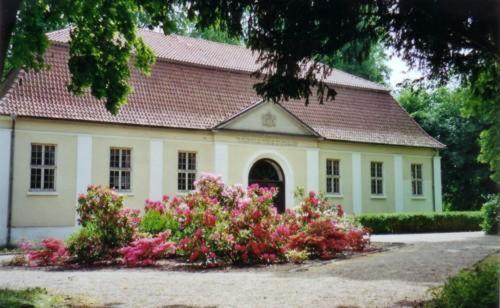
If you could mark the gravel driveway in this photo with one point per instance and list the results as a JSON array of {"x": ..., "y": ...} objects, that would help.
[{"x": 392, "y": 278}]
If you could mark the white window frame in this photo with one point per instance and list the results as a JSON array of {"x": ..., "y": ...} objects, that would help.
[
  {"x": 333, "y": 176},
  {"x": 415, "y": 180},
  {"x": 120, "y": 169},
  {"x": 187, "y": 171},
  {"x": 379, "y": 189},
  {"x": 43, "y": 167}
]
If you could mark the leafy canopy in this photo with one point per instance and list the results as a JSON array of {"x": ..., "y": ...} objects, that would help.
[
  {"x": 444, "y": 37},
  {"x": 466, "y": 181},
  {"x": 290, "y": 36}
]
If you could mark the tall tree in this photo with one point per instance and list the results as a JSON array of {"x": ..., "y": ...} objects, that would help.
[
  {"x": 372, "y": 66},
  {"x": 466, "y": 182}
]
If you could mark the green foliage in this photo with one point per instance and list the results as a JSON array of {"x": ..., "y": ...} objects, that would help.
[
  {"x": 29, "y": 41},
  {"x": 155, "y": 222},
  {"x": 439, "y": 112},
  {"x": 372, "y": 66},
  {"x": 106, "y": 226},
  {"x": 470, "y": 288},
  {"x": 86, "y": 245},
  {"x": 289, "y": 36},
  {"x": 31, "y": 297},
  {"x": 421, "y": 222},
  {"x": 100, "y": 49},
  {"x": 491, "y": 215},
  {"x": 486, "y": 87},
  {"x": 216, "y": 34}
]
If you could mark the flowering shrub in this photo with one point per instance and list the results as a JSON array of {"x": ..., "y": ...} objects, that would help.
[
  {"x": 106, "y": 225},
  {"x": 326, "y": 231},
  {"x": 146, "y": 251},
  {"x": 215, "y": 224},
  {"x": 229, "y": 224},
  {"x": 52, "y": 252},
  {"x": 86, "y": 246}
]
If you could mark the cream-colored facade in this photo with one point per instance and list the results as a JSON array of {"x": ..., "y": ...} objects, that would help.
[{"x": 82, "y": 158}]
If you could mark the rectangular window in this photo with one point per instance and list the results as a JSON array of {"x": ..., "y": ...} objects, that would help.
[
  {"x": 416, "y": 180},
  {"x": 120, "y": 168},
  {"x": 332, "y": 176},
  {"x": 43, "y": 167},
  {"x": 377, "y": 180},
  {"x": 186, "y": 171}
]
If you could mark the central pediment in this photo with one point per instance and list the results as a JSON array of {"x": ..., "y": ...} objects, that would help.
[{"x": 267, "y": 117}]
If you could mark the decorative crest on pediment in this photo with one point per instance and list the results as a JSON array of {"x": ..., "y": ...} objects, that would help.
[{"x": 268, "y": 119}]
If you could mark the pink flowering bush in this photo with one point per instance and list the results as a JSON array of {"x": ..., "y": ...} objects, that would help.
[
  {"x": 213, "y": 225},
  {"x": 106, "y": 226},
  {"x": 146, "y": 251},
  {"x": 325, "y": 230},
  {"x": 52, "y": 252}
]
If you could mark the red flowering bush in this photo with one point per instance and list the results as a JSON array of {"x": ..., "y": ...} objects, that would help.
[
  {"x": 52, "y": 252},
  {"x": 215, "y": 224},
  {"x": 146, "y": 251},
  {"x": 230, "y": 224},
  {"x": 326, "y": 231}
]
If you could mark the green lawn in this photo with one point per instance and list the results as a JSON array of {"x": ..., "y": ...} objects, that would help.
[
  {"x": 39, "y": 298},
  {"x": 33, "y": 297}
]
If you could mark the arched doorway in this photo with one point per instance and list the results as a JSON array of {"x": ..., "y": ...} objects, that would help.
[{"x": 267, "y": 173}]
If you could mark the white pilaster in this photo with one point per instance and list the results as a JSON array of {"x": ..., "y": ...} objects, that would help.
[
  {"x": 221, "y": 160},
  {"x": 313, "y": 170},
  {"x": 438, "y": 198},
  {"x": 4, "y": 182},
  {"x": 356, "y": 183},
  {"x": 83, "y": 165},
  {"x": 398, "y": 183},
  {"x": 156, "y": 169}
]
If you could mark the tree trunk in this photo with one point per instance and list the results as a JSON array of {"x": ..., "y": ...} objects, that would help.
[{"x": 8, "y": 13}]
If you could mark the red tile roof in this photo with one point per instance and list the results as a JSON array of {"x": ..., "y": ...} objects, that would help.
[{"x": 194, "y": 86}]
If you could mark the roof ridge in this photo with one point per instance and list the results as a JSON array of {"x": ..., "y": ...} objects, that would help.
[
  {"x": 361, "y": 78},
  {"x": 195, "y": 39},
  {"x": 209, "y": 48}
]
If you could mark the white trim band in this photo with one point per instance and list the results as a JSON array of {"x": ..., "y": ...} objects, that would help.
[{"x": 36, "y": 234}]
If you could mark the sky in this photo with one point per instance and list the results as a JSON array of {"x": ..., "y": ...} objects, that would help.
[{"x": 400, "y": 71}]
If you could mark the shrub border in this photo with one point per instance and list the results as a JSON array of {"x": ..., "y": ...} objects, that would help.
[{"x": 386, "y": 223}]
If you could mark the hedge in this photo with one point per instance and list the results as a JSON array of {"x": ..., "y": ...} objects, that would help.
[
  {"x": 422, "y": 222},
  {"x": 491, "y": 214}
]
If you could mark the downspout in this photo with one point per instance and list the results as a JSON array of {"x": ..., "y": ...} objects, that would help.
[{"x": 11, "y": 177}]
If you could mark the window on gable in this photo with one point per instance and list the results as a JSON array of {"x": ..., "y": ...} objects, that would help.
[
  {"x": 416, "y": 180},
  {"x": 120, "y": 169},
  {"x": 186, "y": 170},
  {"x": 43, "y": 167},
  {"x": 332, "y": 176},
  {"x": 377, "y": 180}
]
